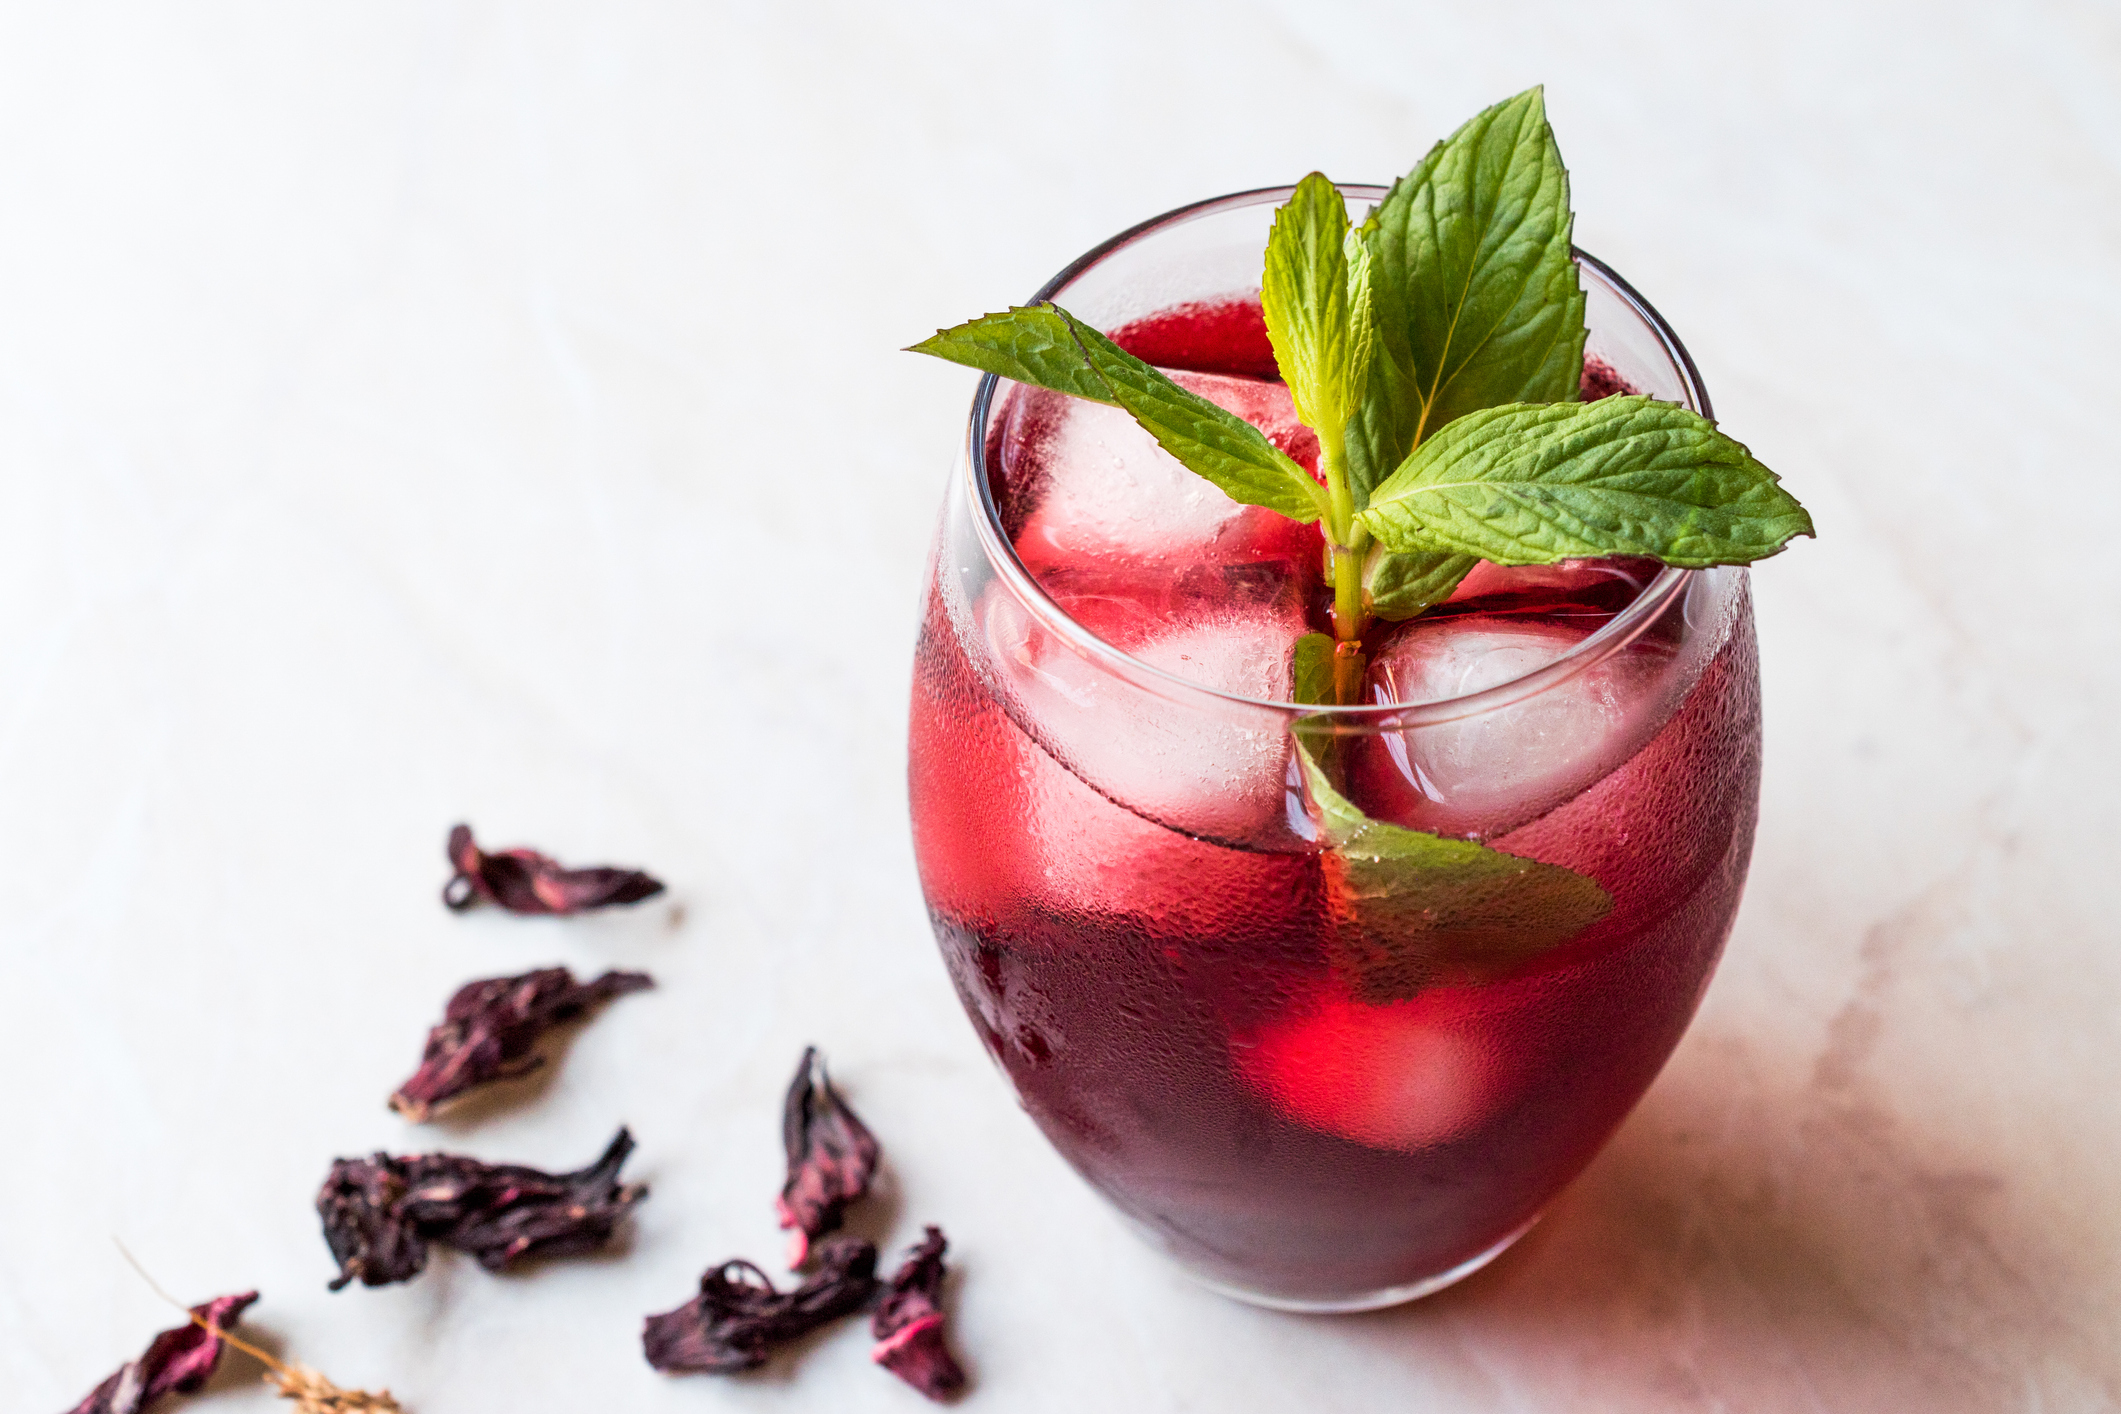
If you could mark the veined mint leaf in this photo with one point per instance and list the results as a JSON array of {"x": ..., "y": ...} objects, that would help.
[
  {"x": 1529, "y": 485},
  {"x": 1408, "y": 907},
  {"x": 1412, "y": 908},
  {"x": 1028, "y": 345},
  {"x": 1311, "y": 670},
  {"x": 1437, "y": 350},
  {"x": 1311, "y": 683},
  {"x": 1400, "y": 585},
  {"x": 1305, "y": 294},
  {"x": 1050, "y": 348},
  {"x": 1475, "y": 294},
  {"x": 1362, "y": 325},
  {"x": 1209, "y": 441}
]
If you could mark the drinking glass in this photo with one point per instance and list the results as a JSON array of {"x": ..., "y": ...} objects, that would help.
[{"x": 1125, "y": 878}]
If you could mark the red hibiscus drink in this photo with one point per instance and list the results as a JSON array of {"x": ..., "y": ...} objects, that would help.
[{"x": 1125, "y": 860}]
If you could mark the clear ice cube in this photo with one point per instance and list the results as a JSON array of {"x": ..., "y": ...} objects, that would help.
[
  {"x": 1095, "y": 489},
  {"x": 1203, "y": 767},
  {"x": 1487, "y": 773},
  {"x": 1160, "y": 564}
]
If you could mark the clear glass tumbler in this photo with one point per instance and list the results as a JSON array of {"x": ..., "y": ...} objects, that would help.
[{"x": 1125, "y": 878}]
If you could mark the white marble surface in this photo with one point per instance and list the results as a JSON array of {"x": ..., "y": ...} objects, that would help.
[{"x": 421, "y": 411}]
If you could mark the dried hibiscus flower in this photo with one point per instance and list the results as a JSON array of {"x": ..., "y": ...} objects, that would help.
[
  {"x": 177, "y": 1361},
  {"x": 831, "y": 1157},
  {"x": 197, "y": 1348},
  {"x": 908, "y": 1324},
  {"x": 490, "y": 1026},
  {"x": 524, "y": 881},
  {"x": 381, "y": 1213},
  {"x": 739, "y": 1315}
]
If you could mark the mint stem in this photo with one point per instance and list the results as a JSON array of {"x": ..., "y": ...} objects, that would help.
[
  {"x": 1349, "y": 669},
  {"x": 1344, "y": 546}
]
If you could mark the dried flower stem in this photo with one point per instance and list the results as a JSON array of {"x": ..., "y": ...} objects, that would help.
[{"x": 312, "y": 1393}]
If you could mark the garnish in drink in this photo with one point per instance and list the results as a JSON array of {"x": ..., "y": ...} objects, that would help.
[
  {"x": 1437, "y": 352},
  {"x": 1324, "y": 874}
]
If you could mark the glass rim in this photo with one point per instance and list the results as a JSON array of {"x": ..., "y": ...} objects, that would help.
[{"x": 1609, "y": 638}]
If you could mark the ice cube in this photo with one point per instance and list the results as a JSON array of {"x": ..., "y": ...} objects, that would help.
[
  {"x": 1403, "y": 1076},
  {"x": 1099, "y": 489},
  {"x": 1005, "y": 833},
  {"x": 1159, "y": 563},
  {"x": 1194, "y": 764},
  {"x": 1483, "y": 775},
  {"x": 1088, "y": 857}
]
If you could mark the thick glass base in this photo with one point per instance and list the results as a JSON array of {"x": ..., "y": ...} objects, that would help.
[{"x": 1368, "y": 1300}]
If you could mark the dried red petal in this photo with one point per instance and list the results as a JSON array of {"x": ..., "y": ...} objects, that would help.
[
  {"x": 525, "y": 881},
  {"x": 177, "y": 1361},
  {"x": 364, "y": 1226},
  {"x": 831, "y": 1157},
  {"x": 490, "y": 1026},
  {"x": 381, "y": 1213},
  {"x": 908, "y": 1324},
  {"x": 739, "y": 1316}
]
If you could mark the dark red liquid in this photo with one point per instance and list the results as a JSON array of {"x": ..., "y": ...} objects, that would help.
[
  {"x": 1165, "y": 1007},
  {"x": 1225, "y": 337}
]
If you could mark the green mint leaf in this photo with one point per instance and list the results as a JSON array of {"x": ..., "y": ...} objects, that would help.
[
  {"x": 1474, "y": 291},
  {"x": 1532, "y": 484},
  {"x": 1028, "y": 345},
  {"x": 1208, "y": 441},
  {"x": 1362, "y": 327},
  {"x": 1050, "y": 348},
  {"x": 1414, "y": 908},
  {"x": 1311, "y": 670},
  {"x": 1304, "y": 293},
  {"x": 1311, "y": 683},
  {"x": 1400, "y": 585}
]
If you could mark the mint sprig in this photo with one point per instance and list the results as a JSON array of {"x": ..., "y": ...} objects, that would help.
[
  {"x": 1529, "y": 485},
  {"x": 1437, "y": 351},
  {"x": 1315, "y": 295}
]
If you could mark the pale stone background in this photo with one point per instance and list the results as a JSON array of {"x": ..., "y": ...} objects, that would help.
[{"x": 422, "y": 411}]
